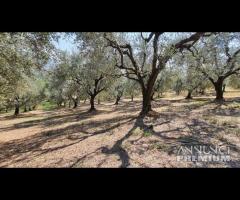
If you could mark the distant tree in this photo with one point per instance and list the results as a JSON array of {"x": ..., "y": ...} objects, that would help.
[
  {"x": 97, "y": 67},
  {"x": 131, "y": 88},
  {"x": 218, "y": 58},
  {"x": 119, "y": 93},
  {"x": 58, "y": 79},
  {"x": 234, "y": 81},
  {"x": 178, "y": 86},
  {"x": 192, "y": 78}
]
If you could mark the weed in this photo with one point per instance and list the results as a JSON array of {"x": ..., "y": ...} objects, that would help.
[{"x": 147, "y": 133}]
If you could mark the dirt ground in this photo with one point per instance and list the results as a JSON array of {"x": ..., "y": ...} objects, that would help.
[{"x": 112, "y": 136}]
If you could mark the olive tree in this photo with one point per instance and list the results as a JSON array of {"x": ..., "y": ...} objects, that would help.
[
  {"x": 148, "y": 53},
  {"x": 218, "y": 58},
  {"x": 20, "y": 52}
]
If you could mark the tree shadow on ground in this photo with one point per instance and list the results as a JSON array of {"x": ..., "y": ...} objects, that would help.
[
  {"x": 121, "y": 108},
  {"x": 117, "y": 147},
  {"x": 196, "y": 137},
  {"x": 200, "y": 133},
  {"x": 54, "y": 120},
  {"x": 228, "y": 110},
  {"x": 22, "y": 115},
  {"x": 73, "y": 134}
]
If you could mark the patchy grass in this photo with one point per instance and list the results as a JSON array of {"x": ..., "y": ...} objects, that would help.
[
  {"x": 137, "y": 131},
  {"x": 47, "y": 105},
  {"x": 147, "y": 133},
  {"x": 159, "y": 146}
]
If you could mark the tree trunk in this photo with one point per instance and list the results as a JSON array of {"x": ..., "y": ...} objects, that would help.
[
  {"x": 16, "y": 110},
  {"x": 147, "y": 93},
  {"x": 75, "y": 101},
  {"x": 219, "y": 90},
  {"x": 132, "y": 98},
  {"x": 16, "y": 107},
  {"x": 117, "y": 100},
  {"x": 92, "y": 103},
  {"x": 202, "y": 92},
  {"x": 152, "y": 96},
  {"x": 25, "y": 108},
  {"x": 98, "y": 101},
  {"x": 189, "y": 95},
  {"x": 146, "y": 102},
  {"x": 85, "y": 101},
  {"x": 224, "y": 87}
]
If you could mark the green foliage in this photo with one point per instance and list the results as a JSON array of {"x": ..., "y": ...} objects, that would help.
[
  {"x": 21, "y": 54},
  {"x": 137, "y": 131},
  {"x": 178, "y": 86},
  {"x": 131, "y": 88},
  {"x": 47, "y": 105},
  {"x": 234, "y": 81},
  {"x": 147, "y": 133},
  {"x": 70, "y": 77},
  {"x": 164, "y": 82}
]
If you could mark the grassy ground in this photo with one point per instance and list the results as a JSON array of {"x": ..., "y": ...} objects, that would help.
[
  {"x": 114, "y": 137},
  {"x": 47, "y": 105}
]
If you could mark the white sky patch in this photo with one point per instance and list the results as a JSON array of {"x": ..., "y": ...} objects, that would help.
[{"x": 66, "y": 44}]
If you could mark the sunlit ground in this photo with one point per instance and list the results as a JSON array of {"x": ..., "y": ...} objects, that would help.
[{"x": 109, "y": 137}]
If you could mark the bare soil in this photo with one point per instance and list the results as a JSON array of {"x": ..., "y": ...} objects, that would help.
[{"x": 112, "y": 136}]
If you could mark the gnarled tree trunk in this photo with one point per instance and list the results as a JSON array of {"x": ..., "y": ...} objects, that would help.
[
  {"x": 224, "y": 87},
  {"x": 119, "y": 95},
  {"x": 146, "y": 101},
  {"x": 75, "y": 103},
  {"x": 146, "y": 105},
  {"x": 202, "y": 91},
  {"x": 16, "y": 110},
  {"x": 25, "y": 108},
  {"x": 16, "y": 106},
  {"x": 92, "y": 98},
  {"x": 117, "y": 100},
  {"x": 147, "y": 93},
  {"x": 152, "y": 99},
  {"x": 93, "y": 93},
  {"x": 189, "y": 95},
  {"x": 218, "y": 85}
]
